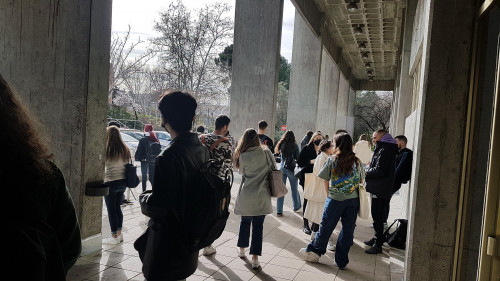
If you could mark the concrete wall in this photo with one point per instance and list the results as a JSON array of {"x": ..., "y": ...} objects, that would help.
[
  {"x": 256, "y": 55},
  {"x": 56, "y": 54},
  {"x": 351, "y": 107},
  {"x": 328, "y": 94},
  {"x": 342, "y": 103},
  {"x": 304, "y": 78},
  {"x": 438, "y": 147}
]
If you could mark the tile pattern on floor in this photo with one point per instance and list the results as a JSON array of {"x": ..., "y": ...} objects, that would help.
[{"x": 280, "y": 260}]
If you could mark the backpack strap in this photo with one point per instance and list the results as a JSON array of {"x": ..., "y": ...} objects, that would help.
[{"x": 213, "y": 146}]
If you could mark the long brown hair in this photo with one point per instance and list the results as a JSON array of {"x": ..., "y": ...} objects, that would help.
[
  {"x": 24, "y": 146},
  {"x": 345, "y": 155},
  {"x": 287, "y": 139},
  {"x": 317, "y": 133},
  {"x": 248, "y": 140},
  {"x": 115, "y": 147}
]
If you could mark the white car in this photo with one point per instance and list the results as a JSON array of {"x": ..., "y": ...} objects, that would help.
[
  {"x": 164, "y": 138},
  {"x": 130, "y": 142}
]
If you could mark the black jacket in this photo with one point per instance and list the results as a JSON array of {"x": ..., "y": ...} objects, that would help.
[
  {"x": 173, "y": 204},
  {"x": 404, "y": 159},
  {"x": 306, "y": 155},
  {"x": 380, "y": 174},
  {"x": 142, "y": 148}
]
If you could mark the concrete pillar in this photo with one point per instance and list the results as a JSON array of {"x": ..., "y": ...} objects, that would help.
[
  {"x": 351, "y": 111},
  {"x": 404, "y": 90},
  {"x": 304, "y": 78},
  {"x": 328, "y": 93},
  {"x": 439, "y": 28},
  {"x": 256, "y": 55},
  {"x": 56, "y": 55},
  {"x": 342, "y": 103}
]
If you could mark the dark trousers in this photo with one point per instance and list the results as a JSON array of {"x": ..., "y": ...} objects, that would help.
[
  {"x": 397, "y": 186},
  {"x": 145, "y": 168},
  {"x": 379, "y": 211},
  {"x": 257, "y": 223},
  {"x": 113, "y": 201}
]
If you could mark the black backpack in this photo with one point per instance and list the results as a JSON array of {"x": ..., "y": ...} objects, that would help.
[
  {"x": 152, "y": 151},
  {"x": 217, "y": 192},
  {"x": 397, "y": 238}
]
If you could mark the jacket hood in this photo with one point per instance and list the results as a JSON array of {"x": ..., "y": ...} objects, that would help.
[{"x": 387, "y": 138}]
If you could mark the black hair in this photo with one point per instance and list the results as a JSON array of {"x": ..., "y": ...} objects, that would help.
[
  {"x": 178, "y": 109},
  {"x": 200, "y": 129},
  {"x": 341, "y": 131},
  {"x": 221, "y": 121},
  {"x": 309, "y": 133},
  {"x": 262, "y": 124},
  {"x": 402, "y": 138},
  {"x": 114, "y": 123}
]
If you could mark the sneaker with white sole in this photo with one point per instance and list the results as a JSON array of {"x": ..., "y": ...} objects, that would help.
[
  {"x": 309, "y": 256},
  {"x": 255, "y": 264},
  {"x": 120, "y": 237},
  {"x": 111, "y": 240},
  {"x": 331, "y": 247},
  {"x": 209, "y": 250},
  {"x": 241, "y": 253}
]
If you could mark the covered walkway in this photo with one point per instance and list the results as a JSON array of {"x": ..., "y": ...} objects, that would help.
[{"x": 283, "y": 238}]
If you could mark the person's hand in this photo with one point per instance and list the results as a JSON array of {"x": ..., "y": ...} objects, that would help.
[{"x": 312, "y": 161}]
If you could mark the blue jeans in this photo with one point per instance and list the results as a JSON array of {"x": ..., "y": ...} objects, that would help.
[
  {"x": 145, "y": 168},
  {"x": 347, "y": 211},
  {"x": 257, "y": 223},
  {"x": 113, "y": 201},
  {"x": 293, "y": 186}
]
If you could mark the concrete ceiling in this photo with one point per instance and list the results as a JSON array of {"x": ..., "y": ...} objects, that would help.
[{"x": 381, "y": 22}]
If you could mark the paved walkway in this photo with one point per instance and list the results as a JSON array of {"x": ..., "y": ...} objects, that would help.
[{"x": 283, "y": 237}]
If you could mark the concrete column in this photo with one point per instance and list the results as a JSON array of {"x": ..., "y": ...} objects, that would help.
[
  {"x": 350, "y": 111},
  {"x": 304, "y": 78},
  {"x": 327, "y": 98},
  {"x": 57, "y": 57},
  {"x": 439, "y": 28},
  {"x": 342, "y": 103},
  {"x": 404, "y": 90},
  {"x": 256, "y": 55}
]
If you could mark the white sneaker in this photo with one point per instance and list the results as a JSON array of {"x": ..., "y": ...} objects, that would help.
[
  {"x": 111, "y": 240},
  {"x": 312, "y": 235},
  {"x": 120, "y": 237},
  {"x": 241, "y": 253},
  {"x": 309, "y": 256},
  {"x": 255, "y": 264},
  {"x": 209, "y": 250},
  {"x": 331, "y": 246}
]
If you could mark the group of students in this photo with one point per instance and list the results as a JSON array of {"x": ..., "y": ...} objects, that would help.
[{"x": 175, "y": 198}]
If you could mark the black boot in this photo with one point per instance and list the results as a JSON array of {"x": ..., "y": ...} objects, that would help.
[{"x": 306, "y": 228}]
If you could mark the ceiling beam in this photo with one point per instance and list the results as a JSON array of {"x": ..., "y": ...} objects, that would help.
[
  {"x": 376, "y": 85},
  {"x": 311, "y": 14}
]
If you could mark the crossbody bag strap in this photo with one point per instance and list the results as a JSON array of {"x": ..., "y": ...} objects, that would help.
[
  {"x": 270, "y": 161},
  {"x": 213, "y": 146}
]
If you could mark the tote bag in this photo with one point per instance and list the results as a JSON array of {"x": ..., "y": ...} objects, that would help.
[
  {"x": 275, "y": 179},
  {"x": 364, "y": 203},
  {"x": 131, "y": 178}
]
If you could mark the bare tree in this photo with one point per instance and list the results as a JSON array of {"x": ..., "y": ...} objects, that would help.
[
  {"x": 373, "y": 111},
  {"x": 189, "y": 45},
  {"x": 122, "y": 60}
]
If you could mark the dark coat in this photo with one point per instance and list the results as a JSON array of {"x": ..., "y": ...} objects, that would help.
[
  {"x": 42, "y": 235},
  {"x": 380, "y": 174},
  {"x": 173, "y": 205},
  {"x": 306, "y": 155}
]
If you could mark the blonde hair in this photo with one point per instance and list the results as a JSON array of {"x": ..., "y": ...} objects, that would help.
[{"x": 115, "y": 147}]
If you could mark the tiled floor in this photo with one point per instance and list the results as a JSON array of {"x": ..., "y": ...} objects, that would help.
[{"x": 280, "y": 260}]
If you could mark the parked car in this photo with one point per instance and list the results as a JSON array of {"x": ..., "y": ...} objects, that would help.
[
  {"x": 133, "y": 133},
  {"x": 164, "y": 138},
  {"x": 130, "y": 142}
]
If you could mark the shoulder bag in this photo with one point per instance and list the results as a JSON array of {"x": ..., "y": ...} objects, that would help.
[
  {"x": 275, "y": 179},
  {"x": 131, "y": 178}
]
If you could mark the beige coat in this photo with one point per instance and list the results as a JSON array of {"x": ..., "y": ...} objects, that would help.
[
  {"x": 254, "y": 197},
  {"x": 314, "y": 191}
]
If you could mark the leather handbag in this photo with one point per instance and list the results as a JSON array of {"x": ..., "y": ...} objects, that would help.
[
  {"x": 275, "y": 179},
  {"x": 131, "y": 178}
]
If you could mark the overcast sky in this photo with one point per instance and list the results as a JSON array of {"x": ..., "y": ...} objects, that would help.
[{"x": 141, "y": 15}]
